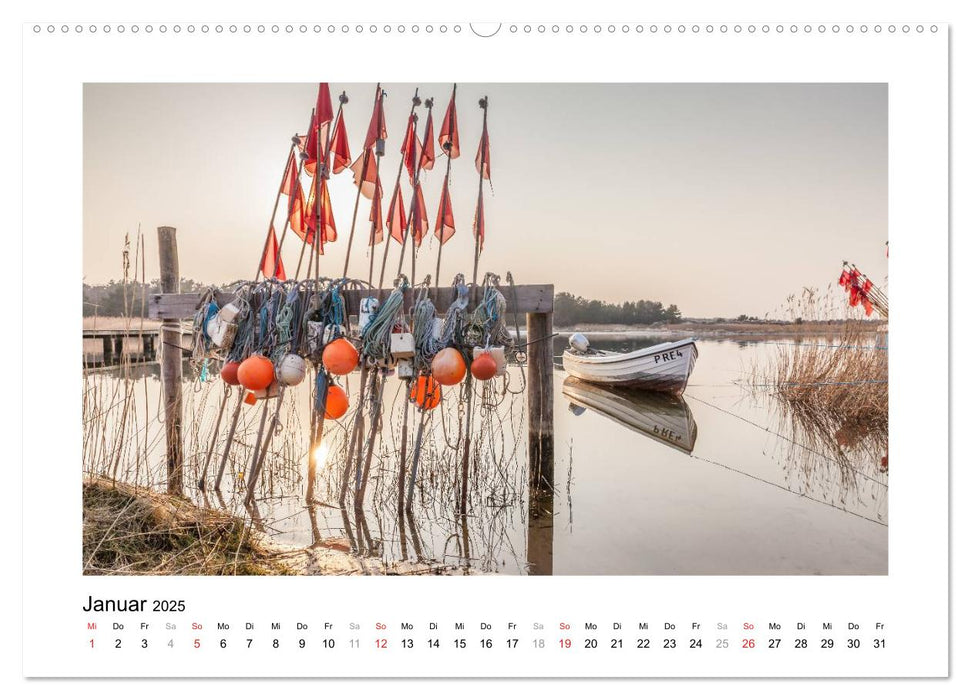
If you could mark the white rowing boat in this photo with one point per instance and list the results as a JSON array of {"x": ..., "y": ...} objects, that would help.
[
  {"x": 665, "y": 367},
  {"x": 665, "y": 418}
]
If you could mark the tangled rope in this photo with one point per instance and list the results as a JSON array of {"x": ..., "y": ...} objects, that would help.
[
  {"x": 457, "y": 315},
  {"x": 376, "y": 336},
  {"x": 487, "y": 326}
]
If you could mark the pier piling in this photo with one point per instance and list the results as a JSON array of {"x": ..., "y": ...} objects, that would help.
[{"x": 171, "y": 360}]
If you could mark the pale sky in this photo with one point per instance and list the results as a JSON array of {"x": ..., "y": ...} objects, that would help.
[{"x": 720, "y": 198}]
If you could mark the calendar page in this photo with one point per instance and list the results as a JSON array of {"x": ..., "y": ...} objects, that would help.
[{"x": 446, "y": 348}]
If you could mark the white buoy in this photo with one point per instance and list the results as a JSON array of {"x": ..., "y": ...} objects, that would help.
[
  {"x": 291, "y": 369},
  {"x": 579, "y": 342}
]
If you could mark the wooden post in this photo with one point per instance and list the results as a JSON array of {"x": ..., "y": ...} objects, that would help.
[
  {"x": 171, "y": 360},
  {"x": 106, "y": 350},
  {"x": 539, "y": 377}
]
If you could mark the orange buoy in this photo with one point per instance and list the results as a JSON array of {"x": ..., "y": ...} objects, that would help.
[
  {"x": 336, "y": 404},
  {"x": 228, "y": 373},
  {"x": 426, "y": 393},
  {"x": 340, "y": 357},
  {"x": 484, "y": 367},
  {"x": 448, "y": 366},
  {"x": 255, "y": 372},
  {"x": 250, "y": 398}
]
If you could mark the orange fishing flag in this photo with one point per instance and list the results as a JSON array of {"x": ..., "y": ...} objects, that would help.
[
  {"x": 427, "y": 161},
  {"x": 410, "y": 147},
  {"x": 445, "y": 221},
  {"x": 448, "y": 137},
  {"x": 377, "y": 226},
  {"x": 377, "y": 129},
  {"x": 296, "y": 208},
  {"x": 365, "y": 170},
  {"x": 419, "y": 217},
  {"x": 339, "y": 147},
  {"x": 291, "y": 177},
  {"x": 482, "y": 159},
  {"x": 272, "y": 263},
  {"x": 396, "y": 217}
]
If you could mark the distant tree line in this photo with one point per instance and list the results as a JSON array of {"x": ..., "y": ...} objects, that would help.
[
  {"x": 110, "y": 299},
  {"x": 569, "y": 310}
]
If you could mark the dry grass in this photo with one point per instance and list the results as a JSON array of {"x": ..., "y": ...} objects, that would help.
[
  {"x": 844, "y": 376},
  {"x": 129, "y": 530}
]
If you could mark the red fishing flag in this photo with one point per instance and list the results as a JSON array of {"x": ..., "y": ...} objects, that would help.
[
  {"x": 428, "y": 145},
  {"x": 478, "y": 226},
  {"x": 365, "y": 170},
  {"x": 310, "y": 145},
  {"x": 272, "y": 263},
  {"x": 296, "y": 207},
  {"x": 482, "y": 159},
  {"x": 326, "y": 216},
  {"x": 419, "y": 217},
  {"x": 396, "y": 217},
  {"x": 410, "y": 147},
  {"x": 325, "y": 108},
  {"x": 377, "y": 227},
  {"x": 291, "y": 177},
  {"x": 339, "y": 147},
  {"x": 445, "y": 221},
  {"x": 322, "y": 115},
  {"x": 450, "y": 130},
  {"x": 377, "y": 128}
]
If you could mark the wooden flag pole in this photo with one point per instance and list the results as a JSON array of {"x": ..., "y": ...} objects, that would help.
[
  {"x": 484, "y": 104},
  {"x": 441, "y": 223},
  {"x": 286, "y": 169},
  {"x": 415, "y": 102},
  {"x": 357, "y": 199}
]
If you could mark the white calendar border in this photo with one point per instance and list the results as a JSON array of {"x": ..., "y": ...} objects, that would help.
[{"x": 918, "y": 187}]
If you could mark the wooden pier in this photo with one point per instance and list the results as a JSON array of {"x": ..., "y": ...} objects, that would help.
[
  {"x": 116, "y": 345},
  {"x": 535, "y": 301}
]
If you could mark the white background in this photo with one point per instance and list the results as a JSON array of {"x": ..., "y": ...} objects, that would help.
[{"x": 912, "y": 598}]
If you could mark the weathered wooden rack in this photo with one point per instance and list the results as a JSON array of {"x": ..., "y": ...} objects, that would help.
[{"x": 535, "y": 301}]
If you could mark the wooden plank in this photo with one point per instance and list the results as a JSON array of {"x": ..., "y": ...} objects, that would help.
[
  {"x": 531, "y": 298},
  {"x": 171, "y": 360}
]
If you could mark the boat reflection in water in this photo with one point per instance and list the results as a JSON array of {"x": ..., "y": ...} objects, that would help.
[{"x": 665, "y": 418}]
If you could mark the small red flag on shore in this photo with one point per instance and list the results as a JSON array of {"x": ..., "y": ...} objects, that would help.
[
  {"x": 365, "y": 170},
  {"x": 482, "y": 159},
  {"x": 410, "y": 148},
  {"x": 296, "y": 206},
  {"x": 339, "y": 146},
  {"x": 377, "y": 129},
  {"x": 428, "y": 145},
  {"x": 445, "y": 221},
  {"x": 448, "y": 137},
  {"x": 396, "y": 217},
  {"x": 291, "y": 177},
  {"x": 377, "y": 226},
  {"x": 272, "y": 263},
  {"x": 419, "y": 217}
]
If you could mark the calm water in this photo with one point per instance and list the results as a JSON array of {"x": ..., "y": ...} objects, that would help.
[{"x": 722, "y": 482}]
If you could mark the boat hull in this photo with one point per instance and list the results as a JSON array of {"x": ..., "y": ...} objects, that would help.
[
  {"x": 665, "y": 418},
  {"x": 665, "y": 367}
]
